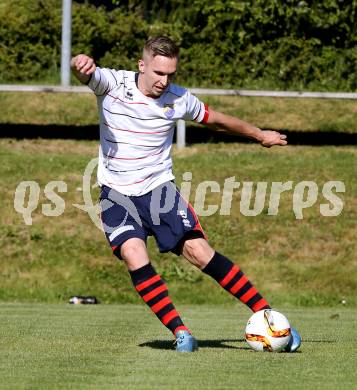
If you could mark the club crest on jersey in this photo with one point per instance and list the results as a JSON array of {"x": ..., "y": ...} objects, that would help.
[{"x": 169, "y": 110}]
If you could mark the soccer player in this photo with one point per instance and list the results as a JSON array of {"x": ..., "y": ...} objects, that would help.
[{"x": 137, "y": 112}]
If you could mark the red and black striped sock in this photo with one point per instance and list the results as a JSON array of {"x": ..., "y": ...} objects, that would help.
[
  {"x": 154, "y": 292},
  {"x": 232, "y": 279}
]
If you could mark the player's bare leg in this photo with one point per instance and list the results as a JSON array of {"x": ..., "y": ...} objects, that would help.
[
  {"x": 154, "y": 292},
  {"x": 134, "y": 254},
  {"x": 198, "y": 252}
]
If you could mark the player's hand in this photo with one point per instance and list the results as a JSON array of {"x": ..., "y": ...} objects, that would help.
[
  {"x": 270, "y": 138},
  {"x": 83, "y": 64}
]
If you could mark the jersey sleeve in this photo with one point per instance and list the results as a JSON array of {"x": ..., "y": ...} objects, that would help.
[
  {"x": 195, "y": 109},
  {"x": 104, "y": 80}
]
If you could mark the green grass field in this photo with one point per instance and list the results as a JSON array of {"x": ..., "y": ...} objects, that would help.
[
  {"x": 124, "y": 347},
  {"x": 305, "y": 268}
]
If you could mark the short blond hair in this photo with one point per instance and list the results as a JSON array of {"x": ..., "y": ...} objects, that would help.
[{"x": 161, "y": 46}]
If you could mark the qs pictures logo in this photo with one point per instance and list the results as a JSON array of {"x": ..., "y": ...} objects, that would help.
[{"x": 251, "y": 198}]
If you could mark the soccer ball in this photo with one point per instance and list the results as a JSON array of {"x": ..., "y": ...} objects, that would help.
[{"x": 268, "y": 330}]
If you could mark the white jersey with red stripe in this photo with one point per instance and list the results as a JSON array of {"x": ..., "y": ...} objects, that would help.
[{"x": 136, "y": 131}]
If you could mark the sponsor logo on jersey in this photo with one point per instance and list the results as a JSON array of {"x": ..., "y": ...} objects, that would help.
[{"x": 128, "y": 95}]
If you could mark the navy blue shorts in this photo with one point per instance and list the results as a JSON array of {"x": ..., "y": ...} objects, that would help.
[{"x": 162, "y": 213}]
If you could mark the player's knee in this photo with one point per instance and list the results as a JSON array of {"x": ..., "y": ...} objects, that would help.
[
  {"x": 134, "y": 253},
  {"x": 198, "y": 252},
  {"x": 128, "y": 252}
]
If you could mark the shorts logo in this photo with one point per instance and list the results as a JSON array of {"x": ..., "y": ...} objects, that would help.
[
  {"x": 169, "y": 110},
  {"x": 185, "y": 220}
]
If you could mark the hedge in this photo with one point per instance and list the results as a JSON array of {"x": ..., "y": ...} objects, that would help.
[{"x": 308, "y": 45}]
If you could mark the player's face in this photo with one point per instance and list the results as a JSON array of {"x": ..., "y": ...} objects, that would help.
[{"x": 156, "y": 73}]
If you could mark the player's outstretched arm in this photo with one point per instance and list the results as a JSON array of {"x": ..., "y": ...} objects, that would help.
[
  {"x": 83, "y": 66},
  {"x": 233, "y": 125}
]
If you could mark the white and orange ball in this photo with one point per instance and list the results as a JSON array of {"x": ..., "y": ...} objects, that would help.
[{"x": 268, "y": 330}]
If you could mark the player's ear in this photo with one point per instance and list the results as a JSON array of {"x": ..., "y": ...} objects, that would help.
[{"x": 141, "y": 66}]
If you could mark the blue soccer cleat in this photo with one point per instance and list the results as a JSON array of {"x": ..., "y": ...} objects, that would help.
[
  {"x": 295, "y": 341},
  {"x": 185, "y": 342}
]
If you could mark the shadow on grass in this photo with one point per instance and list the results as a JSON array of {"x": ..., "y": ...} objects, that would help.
[
  {"x": 194, "y": 134},
  {"x": 169, "y": 345}
]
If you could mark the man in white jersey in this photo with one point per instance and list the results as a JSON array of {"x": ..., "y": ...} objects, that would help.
[{"x": 137, "y": 112}]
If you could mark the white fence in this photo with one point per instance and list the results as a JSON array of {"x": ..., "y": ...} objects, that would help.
[{"x": 181, "y": 128}]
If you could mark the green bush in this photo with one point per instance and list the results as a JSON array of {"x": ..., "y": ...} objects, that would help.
[
  {"x": 30, "y": 36},
  {"x": 242, "y": 44}
]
